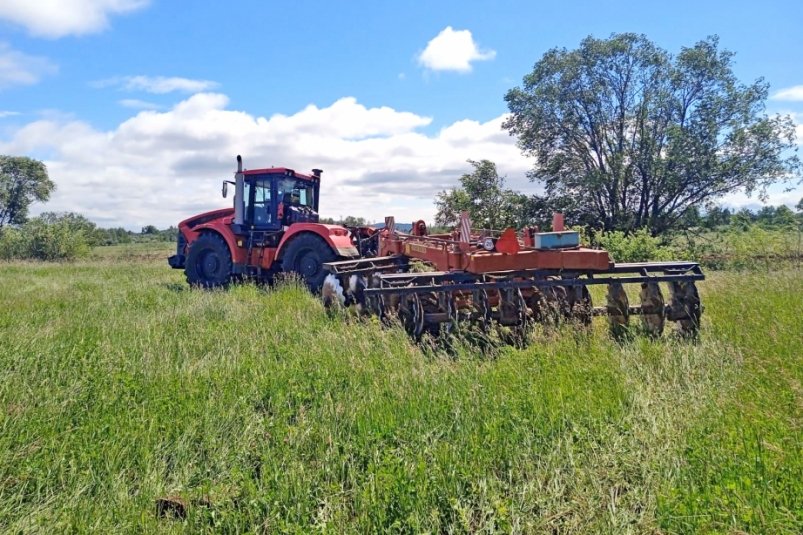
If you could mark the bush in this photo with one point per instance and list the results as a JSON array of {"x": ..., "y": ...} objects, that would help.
[
  {"x": 753, "y": 246},
  {"x": 12, "y": 244},
  {"x": 53, "y": 237},
  {"x": 639, "y": 246}
]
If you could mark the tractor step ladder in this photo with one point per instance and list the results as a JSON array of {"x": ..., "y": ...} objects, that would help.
[{"x": 256, "y": 238}]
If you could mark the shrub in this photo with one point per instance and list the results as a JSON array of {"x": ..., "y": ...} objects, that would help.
[
  {"x": 52, "y": 237},
  {"x": 639, "y": 246},
  {"x": 754, "y": 246}
]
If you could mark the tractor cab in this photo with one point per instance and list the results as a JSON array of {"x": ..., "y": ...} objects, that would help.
[{"x": 274, "y": 198}]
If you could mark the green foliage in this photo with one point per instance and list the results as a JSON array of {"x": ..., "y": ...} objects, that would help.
[
  {"x": 742, "y": 246},
  {"x": 50, "y": 237},
  {"x": 639, "y": 246},
  {"x": 116, "y": 236},
  {"x": 483, "y": 195},
  {"x": 22, "y": 181},
  {"x": 717, "y": 216},
  {"x": 632, "y": 136}
]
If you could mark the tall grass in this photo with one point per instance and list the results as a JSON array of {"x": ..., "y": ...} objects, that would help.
[{"x": 120, "y": 386}]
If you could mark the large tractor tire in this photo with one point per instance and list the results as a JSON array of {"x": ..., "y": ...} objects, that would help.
[
  {"x": 208, "y": 262},
  {"x": 305, "y": 256}
]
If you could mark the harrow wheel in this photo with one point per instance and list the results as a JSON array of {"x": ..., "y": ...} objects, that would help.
[
  {"x": 685, "y": 306},
  {"x": 411, "y": 314},
  {"x": 617, "y": 308},
  {"x": 580, "y": 307},
  {"x": 538, "y": 306},
  {"x": 653, "y": 312},
  {"x": 482, "y": 310},
  {"x": 448, "y": 304},
  {"x": 513, "y": 313},
  {"x": 332, "y": 293},
  {"x": 557, "y": 305}
]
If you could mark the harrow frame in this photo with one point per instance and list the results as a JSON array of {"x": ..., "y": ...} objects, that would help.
[{"x": 477, "y": 285}]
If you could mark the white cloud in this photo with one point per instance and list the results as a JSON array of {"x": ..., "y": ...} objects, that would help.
[
  {"x": 161, "y": 167},
  {"x": 57, "y": 18},
  {"x": 794, "y": 93},
  {"x": 137, "y": 104},
  {"x": 159, "y": 85},
  {"x": 453, "y": 50},
  {"x": 6, "y": 113},
  {"x": 17, "y": 68}
]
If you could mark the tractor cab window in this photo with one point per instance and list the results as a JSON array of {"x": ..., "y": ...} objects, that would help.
[
  {"x": 259, "y": 199},
  {"x": 294, "y": 192}
]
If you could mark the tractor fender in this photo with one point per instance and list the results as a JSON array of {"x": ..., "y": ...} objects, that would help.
[
  {"x": 335, "y": 236},
  {"x": 219, "y": 229}
]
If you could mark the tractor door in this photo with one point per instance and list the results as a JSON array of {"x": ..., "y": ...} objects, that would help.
[{"x": 261, "y": 203}]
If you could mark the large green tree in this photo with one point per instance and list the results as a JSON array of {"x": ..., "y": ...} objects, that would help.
[
  {"x": 483, "y": 195},
  {"x": 636, "y": 136},
  {"x": 22, "y": 181}
]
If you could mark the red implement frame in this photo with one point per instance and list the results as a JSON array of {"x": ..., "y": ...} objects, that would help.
[{"x": 464, "y": 251}]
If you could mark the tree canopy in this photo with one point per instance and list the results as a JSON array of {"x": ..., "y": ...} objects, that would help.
[
  {"x": 22, "y": 181},
  {"x": 483, "y": 195},
  {"x": 630, "y": 136}
]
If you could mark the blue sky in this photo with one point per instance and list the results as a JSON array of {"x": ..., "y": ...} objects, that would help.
[{"x": 139, "y": 107}]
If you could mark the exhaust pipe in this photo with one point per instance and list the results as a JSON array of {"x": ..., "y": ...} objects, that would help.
[{"x": 239, "y": 191}]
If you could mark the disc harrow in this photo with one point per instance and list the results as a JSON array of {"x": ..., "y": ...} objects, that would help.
[{"x": 537, "y": 284}]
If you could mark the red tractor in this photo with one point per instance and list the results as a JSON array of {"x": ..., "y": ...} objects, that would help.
[{"x": 273, "y": 227}]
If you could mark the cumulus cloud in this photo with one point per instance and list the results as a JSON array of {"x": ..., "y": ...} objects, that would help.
[
  {"x": 794, "y": 93},
  {"x": 158, "y": 85},
  {"x": 57, "y": 18},
  {"x": 17, "y": 68},
  {"x": 453, "y": 50},
  {"x": 159, "y": 167}
]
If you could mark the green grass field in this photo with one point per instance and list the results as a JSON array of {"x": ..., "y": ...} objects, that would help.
[{"x": 120, "y": 386}]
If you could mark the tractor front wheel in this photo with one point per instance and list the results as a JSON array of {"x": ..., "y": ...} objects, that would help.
[
  {"x": 208, "y": 262},
  {"x": 305, "y": 255}
]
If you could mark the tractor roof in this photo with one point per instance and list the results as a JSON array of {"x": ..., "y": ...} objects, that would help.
[{"x": 281, "y": 171}]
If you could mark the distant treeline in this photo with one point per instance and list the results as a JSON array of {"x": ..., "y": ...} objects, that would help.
[{"x": 766, "y": 216}]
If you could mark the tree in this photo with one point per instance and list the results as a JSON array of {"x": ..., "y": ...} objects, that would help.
[
  {"x": 743, "y": 219},
  {"x": 76, "y": 224},
  {"x": 717, "y": 216},
  {"x": 483, "y": 195},
  {"x": 636, "y": 136},
  {"x": 784, "y": 217},
  {"x": 22, "y": 181},
  {"x": 691, "y": 218}
]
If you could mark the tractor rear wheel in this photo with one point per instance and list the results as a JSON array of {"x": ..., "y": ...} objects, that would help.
[
  {"x": 208, "y": 261},
  {"x": 305, "y": 255}
]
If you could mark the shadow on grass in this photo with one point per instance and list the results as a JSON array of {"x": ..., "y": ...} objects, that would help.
[{"x": 176, "y": 287}]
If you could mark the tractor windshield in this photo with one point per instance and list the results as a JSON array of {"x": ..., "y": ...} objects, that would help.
[{"x": 296, "y": 192}]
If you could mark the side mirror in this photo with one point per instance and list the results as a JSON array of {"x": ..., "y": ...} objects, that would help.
[{"x": 225, "y": 189}]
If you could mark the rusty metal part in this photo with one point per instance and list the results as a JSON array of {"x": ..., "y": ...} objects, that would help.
[
  {"x": 617, "y": 308},
  {"x": 685, "y": 307},
  {"x": 653, "y": 311}
]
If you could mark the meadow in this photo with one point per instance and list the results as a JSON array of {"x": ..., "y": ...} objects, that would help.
[{"x": 257, "y": 411}]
